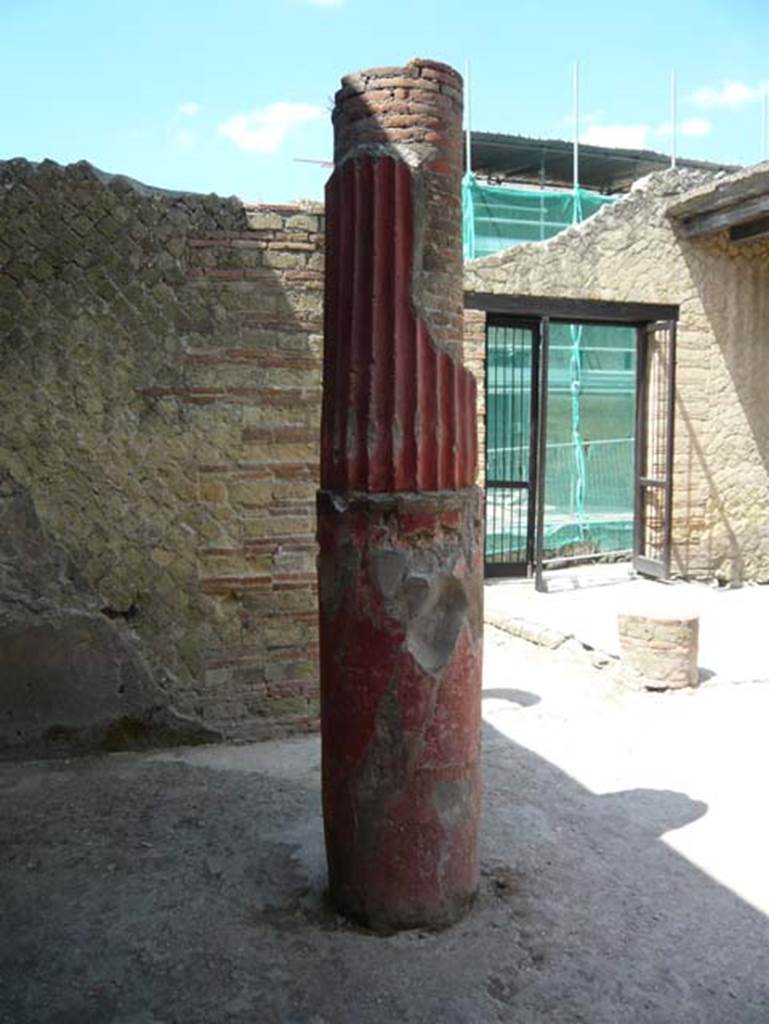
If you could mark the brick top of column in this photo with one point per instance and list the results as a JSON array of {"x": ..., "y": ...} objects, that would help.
[
  {"x": 398, "y": 405},
  {"x": 415, "y": 110}
]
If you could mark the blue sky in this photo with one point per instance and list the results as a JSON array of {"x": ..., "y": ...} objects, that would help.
[{"x": 224, "y": 97}]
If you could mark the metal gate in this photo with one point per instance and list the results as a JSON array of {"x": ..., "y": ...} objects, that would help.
[
  {"x": 512, "y": 367},
  {"x": 655, "y": 411},
  {"x": 522, "y": 522}
]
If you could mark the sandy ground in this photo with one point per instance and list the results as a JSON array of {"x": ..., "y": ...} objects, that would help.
[
  {"x": 583, "y": 602},
  {"x": 624, "y": 853}
]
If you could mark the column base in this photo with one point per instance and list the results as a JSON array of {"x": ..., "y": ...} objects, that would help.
[{"x": 401, "y": 586}]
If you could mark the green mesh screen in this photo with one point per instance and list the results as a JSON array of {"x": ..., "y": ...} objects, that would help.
[
  {"x": 495, "y": 217},
  {"x": 591, "y": 397},
  {"x": 590, "y": 440},
  {"x": 588, "y": 495}
]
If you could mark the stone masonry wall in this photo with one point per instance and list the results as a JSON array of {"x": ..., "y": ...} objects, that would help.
[
  {"x": 159, "y": 418},
  {"x": 630, "y": 252},
  {"x": 474, "y": 352},
  {"x": 160, "y": 402}
]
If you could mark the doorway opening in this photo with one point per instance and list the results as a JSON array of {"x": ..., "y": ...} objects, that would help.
[{"x": 579, "y": 439}]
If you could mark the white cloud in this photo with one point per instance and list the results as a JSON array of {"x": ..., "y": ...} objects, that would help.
[
  {"x": 189, "y": 109},
  {"x": 263, "y": 131},
  {"x": 184, "y": 139},
  {"x": 623, "y": 136},
  {"x": 692, "y": 127},
  {"x": 731, "y": 96}
]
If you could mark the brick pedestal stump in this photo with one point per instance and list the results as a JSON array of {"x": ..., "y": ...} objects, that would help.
[
  {"x": 399, "y": 521},
  {"x": 658, "y": 648}
]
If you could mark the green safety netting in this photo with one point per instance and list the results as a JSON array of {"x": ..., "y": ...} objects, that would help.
[
  {"x": 590, "y": 450},
  {"x": 588, "y": 493},
  {"x": 495, "y": 217},
  {"x": 591, "y": 439}
]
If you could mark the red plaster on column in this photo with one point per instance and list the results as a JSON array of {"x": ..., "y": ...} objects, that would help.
[
  {"x": 398, "y": 411},
  {"x": 399, "y": 523}
]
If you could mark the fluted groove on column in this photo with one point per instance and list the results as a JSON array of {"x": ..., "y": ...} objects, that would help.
[
  {"x": 405, "y": 358},
  {"x": 399, "y": 412}
]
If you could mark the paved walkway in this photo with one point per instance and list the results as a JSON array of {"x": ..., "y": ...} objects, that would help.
[{"x": 583, "y": 603}]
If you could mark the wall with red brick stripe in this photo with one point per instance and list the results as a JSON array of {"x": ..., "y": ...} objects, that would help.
[
  {"x": 162, "y": 376},
  {"x": 264, "y": 364}
]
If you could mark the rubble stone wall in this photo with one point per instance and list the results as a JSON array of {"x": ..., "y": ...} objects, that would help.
[
  {"x": 474, "y": 352},
  {"x": 630, "y": 252},
  {"x": 160, "y": 401}
]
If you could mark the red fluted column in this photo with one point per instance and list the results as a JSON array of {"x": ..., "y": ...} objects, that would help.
[{"x": 399, "y": 523}]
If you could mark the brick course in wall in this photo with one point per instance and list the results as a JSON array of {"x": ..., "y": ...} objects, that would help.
[{"x": 265, "y": 361}]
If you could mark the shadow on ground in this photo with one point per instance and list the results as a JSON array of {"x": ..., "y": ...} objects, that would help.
[{"x": 187, "y": 887}]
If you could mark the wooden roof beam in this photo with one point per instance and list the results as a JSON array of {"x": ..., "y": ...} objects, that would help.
[
  {"x": 711, "y": 221},
  {"x": 748, "y": 232}
]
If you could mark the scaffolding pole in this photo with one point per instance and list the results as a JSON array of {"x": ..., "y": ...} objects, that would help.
[
  {"x": 673, "y": 118},
  {"x": 575, "y": 114},
  {"x": 468, "y": 152}
]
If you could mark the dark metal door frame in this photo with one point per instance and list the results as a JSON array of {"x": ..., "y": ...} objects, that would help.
[
  {"x": 541, "y": 466},
  {"x": 537, "y": 315},
  {"x": 511, "y": 569}
]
